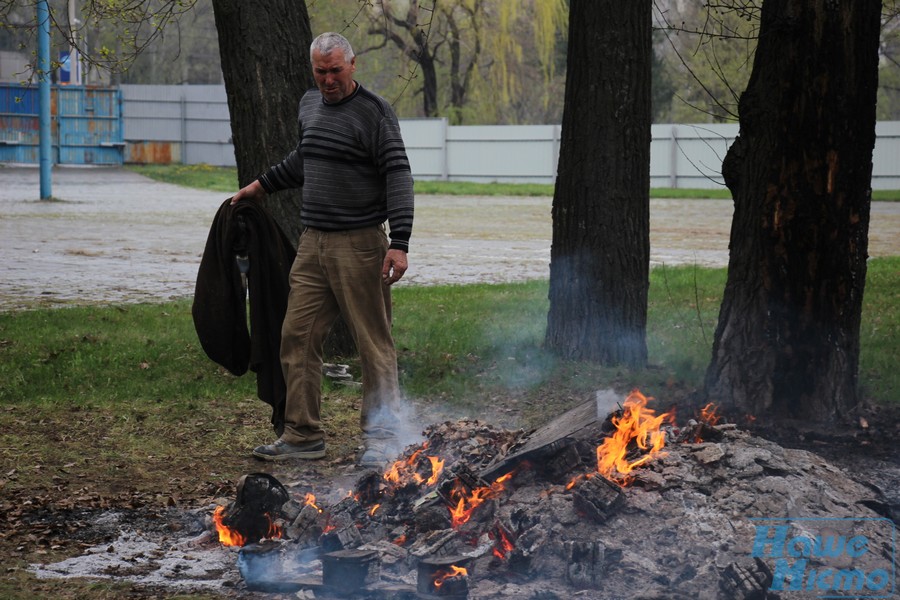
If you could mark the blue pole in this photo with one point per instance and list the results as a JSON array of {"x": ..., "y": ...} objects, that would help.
[{"x": 46, "y": 149}]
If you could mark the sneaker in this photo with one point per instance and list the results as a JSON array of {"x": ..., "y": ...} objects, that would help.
[
  {"x": 282, "y": 450},
  {"x": 372, "y": 458},
  {"x": 376, "y": 454}
]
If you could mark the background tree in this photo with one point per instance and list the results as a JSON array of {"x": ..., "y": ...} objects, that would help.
[
  {"x": 469, "y": 43},
  {"x": 186, "y": 51},
  {"x": 600, "y": 254},
  {"x": 888, "y": 108},
  {"x": 787, "y": 341}
]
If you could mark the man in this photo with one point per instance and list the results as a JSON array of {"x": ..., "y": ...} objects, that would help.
[{"x": 352, "y": 165}]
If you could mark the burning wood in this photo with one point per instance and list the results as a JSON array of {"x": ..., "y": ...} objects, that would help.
[
  {"x": 639, "y": 428},
  {"x": 598, "y": 498},
  {"x": 443, "y": 578},
  {"x": 451, "y": 517},
  {"x": 407, "y": 472}
]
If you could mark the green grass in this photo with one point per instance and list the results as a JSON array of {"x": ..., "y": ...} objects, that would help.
[
  {"x": 80, "y": 355},
  {"x": 453, "y": 341},
  {"x": 224, "y": 179}
]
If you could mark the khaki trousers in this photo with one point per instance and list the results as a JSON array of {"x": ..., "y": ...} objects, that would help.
[{"x": 339, "y": 273}]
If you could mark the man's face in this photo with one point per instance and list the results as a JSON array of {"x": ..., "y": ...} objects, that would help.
[{"x": 334, "y": 75}]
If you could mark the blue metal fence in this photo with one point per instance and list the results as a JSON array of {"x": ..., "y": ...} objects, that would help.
[{"x": 86, "y": 125}]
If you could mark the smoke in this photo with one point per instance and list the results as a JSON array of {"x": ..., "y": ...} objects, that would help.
[{"x": 395, "y": 426}]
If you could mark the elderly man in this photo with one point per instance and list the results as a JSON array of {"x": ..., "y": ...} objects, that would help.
[{"x": 352, "y": 166}]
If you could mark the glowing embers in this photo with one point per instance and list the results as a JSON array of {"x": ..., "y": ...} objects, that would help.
[{"x": 464, "y": 499}]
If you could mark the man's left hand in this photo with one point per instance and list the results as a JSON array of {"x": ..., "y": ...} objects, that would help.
[{"x": 395, "y": 265}]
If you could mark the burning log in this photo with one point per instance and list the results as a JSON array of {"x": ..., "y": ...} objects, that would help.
[
  {"x": 349, "y": 571},
  {"x": 597, "y": 498},
  {"x": 443, "y": 578},
  {"x": 343, "y": 536}
]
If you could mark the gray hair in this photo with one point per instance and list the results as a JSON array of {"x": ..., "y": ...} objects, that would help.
[{"x": 330, "y": 40}]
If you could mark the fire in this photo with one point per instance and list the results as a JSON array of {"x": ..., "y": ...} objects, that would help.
[
  {"x": 503, "y": 545},
  {"x": 466, "y": 504},
  {"x": 575, "y": 480},
  {"x": 400, "y": 540},
  {"x": 310, "y": 500},
  {"x": 227, "y": 535},
  {"x": 275, "y": 530},
  {"x": 637, "y": 424},
  {"x": 441, "y": 576},
  {"x": 232, "y": 537},
  {"x": 404, "y": 471},
  {"x": 374, "y": 509},
  {"x": 708, "y": 415}
]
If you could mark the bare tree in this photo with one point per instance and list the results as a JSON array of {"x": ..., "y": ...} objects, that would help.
[{"x": 465, "y": 42}]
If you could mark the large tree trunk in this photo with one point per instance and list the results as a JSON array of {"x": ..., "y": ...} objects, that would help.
[
  {"x": 787, "y": 342},
  {"x": 264, "y": 47},
  {"x": 599, "y": 269}
]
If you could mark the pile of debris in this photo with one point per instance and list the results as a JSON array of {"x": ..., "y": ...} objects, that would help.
[{"x": 609, "y": 500}]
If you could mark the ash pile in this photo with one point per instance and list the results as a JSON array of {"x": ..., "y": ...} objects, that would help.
[{"x": 623, "y": 505}]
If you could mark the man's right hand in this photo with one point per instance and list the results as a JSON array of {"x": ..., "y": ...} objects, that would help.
[{"x": 254, "y": 191}]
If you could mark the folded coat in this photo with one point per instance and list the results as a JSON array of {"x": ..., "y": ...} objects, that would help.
[{"x": 220, "y": 300}]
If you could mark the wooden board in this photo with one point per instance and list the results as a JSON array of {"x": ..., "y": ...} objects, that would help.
[{"x": 579, "y": 423}]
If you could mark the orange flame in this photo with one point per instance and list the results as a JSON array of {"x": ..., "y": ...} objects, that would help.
[
  {"x": 708, "y": 414},
  {"x": 404, "y": 471},
  {"x": 400, "y": 540},
  {"x": 637, "y": 424},
  {"x": 276, "y": 531},
  {"x": 441, "y": 576},
  {"x": 466, "y": 504},
  {"x": 575, "y": 480},
  {"x": 232, "y": 537},
  {"x": 310, "y": 500},
  {"x": 227, "y": 535},
  {"x": 373, "y": 510},
  {"x": 503, "y": 544}
]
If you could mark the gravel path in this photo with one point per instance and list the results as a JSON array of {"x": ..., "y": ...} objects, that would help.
[{"x": 115, "y": 236}]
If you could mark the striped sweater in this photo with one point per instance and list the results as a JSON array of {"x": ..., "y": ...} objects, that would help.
[{"x": 352, "y": 166}]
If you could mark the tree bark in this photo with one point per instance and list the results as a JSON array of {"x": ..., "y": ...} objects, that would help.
[
  {"x": 787, "y": 341},
  {"x": 264, "y": 47},
  {"x": 600, "y": 255}
]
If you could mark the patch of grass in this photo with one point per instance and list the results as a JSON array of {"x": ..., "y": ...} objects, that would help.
[
  {"x": 204, "y": 177},
  {"x": 80, "y": 356},
  {"x": 459, "y": 341},
  {"x": 880, "y": 331},
  {"x": 224, "y": 179}
]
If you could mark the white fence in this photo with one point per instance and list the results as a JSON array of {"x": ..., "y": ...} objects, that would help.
[{"x": 190, "y": 124}]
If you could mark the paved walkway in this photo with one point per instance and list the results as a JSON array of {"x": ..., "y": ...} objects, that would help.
[{"x": 114, "y": 236}]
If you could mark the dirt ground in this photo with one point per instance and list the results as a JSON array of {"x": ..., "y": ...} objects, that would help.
[{"x": 115, "y": 236}]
